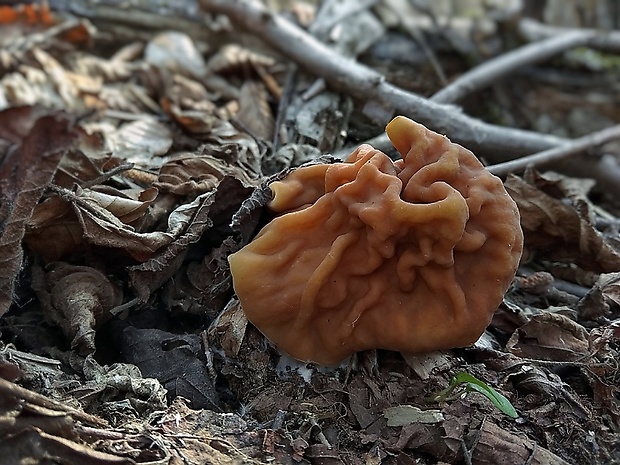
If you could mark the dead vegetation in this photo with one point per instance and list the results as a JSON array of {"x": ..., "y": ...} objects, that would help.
[{"x": 134, "y": 142}]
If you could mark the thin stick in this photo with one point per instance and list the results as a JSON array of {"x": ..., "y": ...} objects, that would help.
[
  {"x": 350, "y": 77},
  {"x": 492, "y": 70},
  {"x": 534, "y": 31},
  {"x": 579, "y": 145}
]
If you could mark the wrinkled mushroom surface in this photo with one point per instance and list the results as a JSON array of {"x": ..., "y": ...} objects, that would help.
[{"x": 413, "y": 255}]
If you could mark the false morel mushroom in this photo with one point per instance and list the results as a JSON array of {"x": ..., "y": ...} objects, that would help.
[{"x": 413, "y": 255}]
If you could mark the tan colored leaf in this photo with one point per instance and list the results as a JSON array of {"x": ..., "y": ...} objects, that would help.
[
  {"x": 229, "y": 328},
  {"x": 233, "y": 58},
  {"x": 176, "y": 52},
  {"x": 145, "y": 135},
  {"x": 402, "y": 415},
  {"x": 120, "y": 203}
]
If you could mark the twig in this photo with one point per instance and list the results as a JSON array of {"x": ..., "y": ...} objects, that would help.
[
  {"x": 534, "y": 31},
  {"x": 492, "y": 70},
  {"x": 579, "y": 145},
  {"x": 348, "y": 76}
]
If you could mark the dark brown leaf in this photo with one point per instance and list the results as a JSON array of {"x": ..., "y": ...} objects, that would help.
[
  {"x": 550, "y": 336},
  {"x": 558, "y": 231},
  {"x": 26, "y": 171}
]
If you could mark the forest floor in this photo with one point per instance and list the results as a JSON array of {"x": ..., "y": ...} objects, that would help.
[{"x": 136, "y": 143}]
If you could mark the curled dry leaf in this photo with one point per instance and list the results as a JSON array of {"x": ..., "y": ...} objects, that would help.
[
  {"x": 558, "y": 231},
  {"x": 120, "y": 381},
  {"x": 192, "y": 175},
  {"x": 127, "y": 206},
  {"x": 78, "y": 299},
  {"x": 196, "y": 121},
  {"x": 62, "y": 223},
  {"x": 549, "y": 386},
  {"x": 496, "y": 445},
  {"x": 550, "y": 336},
  {"x": 599, "y": 300},
  {"x": 103, "y": 228},
  {"x": 187, "y": 224},
  {"x": 226, "y": 142},
  {"x": 228, "y": 329}
]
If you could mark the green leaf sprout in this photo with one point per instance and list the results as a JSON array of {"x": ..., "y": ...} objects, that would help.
[{"x": 468, "y": 383}]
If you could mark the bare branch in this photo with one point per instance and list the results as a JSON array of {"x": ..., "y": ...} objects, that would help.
[
  {"x": 494, "y": 69},
  {"x": 579, "y": 145},
  {"x": 534, "y": 31},
  {"x": 348, "y": 76}
]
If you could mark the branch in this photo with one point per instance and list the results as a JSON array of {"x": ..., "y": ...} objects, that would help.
[
  {"x": 534, "y": 31},
  {"x": 347, "y": 76},
  {"x": 496, "y": 68},
  {"x": 573, "y": 147}
]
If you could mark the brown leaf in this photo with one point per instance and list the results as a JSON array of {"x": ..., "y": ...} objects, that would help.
[
  {"x": 558, "y": 231},
  {"x": 254, "y": 114},
  {"x": 25, "y": 173},
  {"x": 189, "y": 223},
  {"x": 604, "y": 294},
  {"x": 192, "y": 175},
  {"x": 53, "y": 218},
  {"x": 496, "y": 445},
  {"x": 36, "y": 446},
  {"x": 550, "y": 336},
  {"x": 103, "y": 228},
  {"x": 127, "y": 205},
  {"x": 604, "y": 335},
  {"x": 229, "y": 328},
  {"x": 146, "y": 135}
]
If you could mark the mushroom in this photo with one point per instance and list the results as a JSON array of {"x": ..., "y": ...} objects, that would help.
[{"x": 413, "y": 255}]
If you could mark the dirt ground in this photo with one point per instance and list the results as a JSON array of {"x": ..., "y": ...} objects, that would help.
[{"x": 137, "y": 146}]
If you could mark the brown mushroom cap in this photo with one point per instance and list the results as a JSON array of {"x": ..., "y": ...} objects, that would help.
[{"x": 413, "y": 255}]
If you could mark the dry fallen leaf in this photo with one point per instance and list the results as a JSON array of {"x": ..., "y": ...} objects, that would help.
[
  {"x": 255, "y": 114},
  {"x": 550, "y": 336},
  {"x": 78, "y": 299},
  {"x": 27, "y": 169},
  {"x": 557, "y": 231}
]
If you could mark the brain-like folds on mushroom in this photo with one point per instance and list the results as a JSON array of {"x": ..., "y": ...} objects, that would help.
[{"x": 413, "y": 255}]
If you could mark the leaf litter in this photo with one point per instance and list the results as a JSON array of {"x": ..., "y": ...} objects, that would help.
[{"x": 131, "y": 169}]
